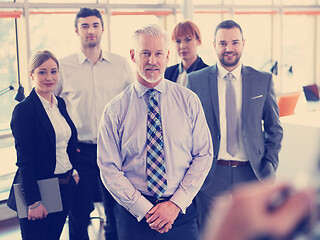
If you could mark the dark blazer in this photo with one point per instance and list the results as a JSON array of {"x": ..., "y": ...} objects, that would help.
[
  {"x": 259, "y": 111},
  {"x": 35, "y": 145},
  {"x": 172, "y": 72}
]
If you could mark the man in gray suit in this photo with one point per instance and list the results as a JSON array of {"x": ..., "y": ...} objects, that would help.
[{"x": 243, "y": 117}]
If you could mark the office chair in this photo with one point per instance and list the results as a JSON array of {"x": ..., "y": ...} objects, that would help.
[{"x": 287, "y": 104}]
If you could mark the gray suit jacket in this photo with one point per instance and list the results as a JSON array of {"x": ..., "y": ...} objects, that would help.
[{"x": 261, "y": 129}]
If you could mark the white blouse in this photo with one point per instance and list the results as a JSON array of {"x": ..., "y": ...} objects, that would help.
[
  {"x": 182, "y": 78},
  {"x": 62, "y": 132}
]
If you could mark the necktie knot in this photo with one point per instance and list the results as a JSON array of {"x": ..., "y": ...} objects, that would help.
[
  {"x": 152, "y": 93},
  {"x": 229, "y": 77}
]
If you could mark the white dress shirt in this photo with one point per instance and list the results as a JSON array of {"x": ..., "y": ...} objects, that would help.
[
  {"x": 122, "y": 149},
  {"x": 87, "y": 88},
  {"x": 62, "y": 132},
  {"x": 222, "y": 85}
]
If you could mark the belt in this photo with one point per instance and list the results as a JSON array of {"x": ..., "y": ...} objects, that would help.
[
  {"x": 155, "y": 201},
  {"x": 88, "y": 143},
  {"x": 87, "y": 146},
  {"x": 231, "y": 163},
  {"x": 64, "y": 178}
]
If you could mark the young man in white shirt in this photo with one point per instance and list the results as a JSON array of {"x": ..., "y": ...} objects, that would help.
[{"x": 88, "y": 80}]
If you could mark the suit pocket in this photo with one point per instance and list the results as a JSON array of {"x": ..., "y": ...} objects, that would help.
[{"x": 257, "y": 104}]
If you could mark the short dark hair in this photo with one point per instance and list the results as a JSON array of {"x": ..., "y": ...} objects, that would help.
[
  {"x": 227, "y": 24},
  {"x": 87, "y": 12}
]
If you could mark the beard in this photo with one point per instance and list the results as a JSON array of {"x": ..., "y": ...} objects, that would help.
[
  {"x": 151, "y": 79},
  {"x": 93, "y": 44},
  {"x": 229, "y": 64}
]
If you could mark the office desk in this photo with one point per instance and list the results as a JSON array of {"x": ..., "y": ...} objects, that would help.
[{"x": 300, "y": 153}]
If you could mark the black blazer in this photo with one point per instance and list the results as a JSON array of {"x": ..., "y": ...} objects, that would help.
[
  {"x": 172, "y": 72},
  {"x": 35, "y": 145}
]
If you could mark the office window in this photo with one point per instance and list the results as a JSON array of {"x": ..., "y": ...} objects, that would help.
[
  {"x": 62, "y": 1},
  {"x": 257, "y": 50},
  {"x": 54, "y": 32},
  {"x": 122, "y": 28},
  {"x": 207, "y": 23},
  {"x": 8, "y": 71},
  {"x": 299, "y": 2},
  {"x": 141, "y": 1},
  {"x": 208, "y": 2},
  {"x": 298, "y": 51},
  {"x": 257, "y": 34},
  {"x": 252, "y": 2}
]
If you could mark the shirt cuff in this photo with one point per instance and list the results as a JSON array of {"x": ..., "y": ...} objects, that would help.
[
  {"x": 74, "y": 172},
  {"x": 140, "y": 208},
  {"x": 182, "y": 200}
]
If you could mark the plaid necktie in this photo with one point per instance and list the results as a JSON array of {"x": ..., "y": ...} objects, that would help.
[
  {"x": 232, "y": 118},
  {"x": 157, "y": 178}
]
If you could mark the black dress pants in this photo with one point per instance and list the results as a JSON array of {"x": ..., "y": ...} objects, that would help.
[
  {"x": 83, "y": 205},
  {"x": 50, "y": 228},
  {"x": 185, "y": 226}
]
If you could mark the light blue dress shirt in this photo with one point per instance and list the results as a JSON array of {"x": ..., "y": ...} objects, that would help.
[{"x": 122, "y": 145}]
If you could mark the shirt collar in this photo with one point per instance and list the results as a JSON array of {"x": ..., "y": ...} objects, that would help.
[
  {"x": 105, "y": 56},
  {"x": 191, "y": 68},
  {"x": 222, "y": 72},
  {"x": 181, "y": 69},
  {"x": 46, "y": 104},
  {"x": 141, "y": 90},
  {"x": 82, "y": 58}
]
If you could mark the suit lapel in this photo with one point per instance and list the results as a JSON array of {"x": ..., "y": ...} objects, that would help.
[
  {"x": 213, "y": 83},
  {"x": 63, "y": 111},
  {"x": 44, "y": 119},
  {"x": 246, "y": 85}
]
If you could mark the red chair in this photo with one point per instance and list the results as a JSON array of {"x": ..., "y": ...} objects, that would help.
[{"x": 287, "y": 104}]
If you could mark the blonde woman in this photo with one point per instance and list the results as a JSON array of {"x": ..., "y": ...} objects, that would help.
[{"x": 45, "y": 141}]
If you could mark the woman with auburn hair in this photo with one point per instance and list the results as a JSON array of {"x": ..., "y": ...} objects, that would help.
[{"x": 187, "y": 38}]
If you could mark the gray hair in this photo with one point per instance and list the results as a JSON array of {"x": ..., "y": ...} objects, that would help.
[{"x": 153, "y": 30}]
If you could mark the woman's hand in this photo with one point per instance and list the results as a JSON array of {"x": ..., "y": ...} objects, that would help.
[
  {"x": 37, "y": 211},
  {"x": 76, "y": 178}
]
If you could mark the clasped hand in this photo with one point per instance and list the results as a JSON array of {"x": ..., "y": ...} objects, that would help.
[{"x": 162, "y": 216}]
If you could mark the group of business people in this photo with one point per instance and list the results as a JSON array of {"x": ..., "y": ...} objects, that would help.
[
  {"x": 161, "y": 153},
  {"x": 55, "y": 132}
]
